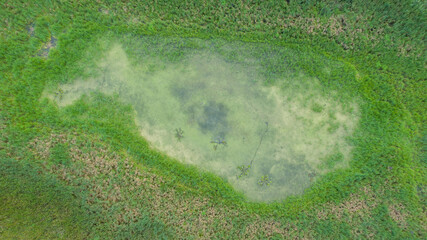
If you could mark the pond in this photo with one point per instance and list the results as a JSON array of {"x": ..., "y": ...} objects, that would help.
[{"x": 215, "y": 108}]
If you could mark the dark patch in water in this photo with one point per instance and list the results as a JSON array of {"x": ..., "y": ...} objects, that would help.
[
  {"x": 182, "y": 93},
  {"x": 53, "y": 41},
  {"x": 30, "y": 29},
  {"x": 185, "y": 93},
  {"x": 214, "y": 119},
  {"x": 292, "y": 173},
  {"x": 44, "y": 52}
]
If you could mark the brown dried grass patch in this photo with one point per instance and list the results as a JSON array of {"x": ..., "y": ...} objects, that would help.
[
  {"x": 397, "y": 213},
  {"x": 357, "y": 205},
  {"x": 115, "y": 181}
]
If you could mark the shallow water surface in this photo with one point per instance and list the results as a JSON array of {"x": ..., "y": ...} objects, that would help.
[{"x": 218, "y": 114}]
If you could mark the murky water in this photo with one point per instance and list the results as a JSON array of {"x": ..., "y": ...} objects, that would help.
[{"x": 217, "y": 114}]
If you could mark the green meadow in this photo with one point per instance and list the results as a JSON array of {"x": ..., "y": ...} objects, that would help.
[{"x": 206, "y": 119}]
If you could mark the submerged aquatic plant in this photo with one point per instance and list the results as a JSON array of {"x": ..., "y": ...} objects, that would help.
[
  {"x": 260, "y": 142},
  {"x": 218, "y": 142},
  {"x": 264, "y": 181},
  {"x": 312, "y": 175},
  {"x": 244, "y": 170},
  {"x": 179, "y": 133},
  {"x": 59, "y": 94}
]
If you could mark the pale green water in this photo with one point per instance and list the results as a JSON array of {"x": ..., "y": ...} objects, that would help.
[{"x": 212, "y": 99}]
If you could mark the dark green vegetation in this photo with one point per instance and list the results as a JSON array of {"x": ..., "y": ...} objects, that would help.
[{"x": 85, "y": 172}]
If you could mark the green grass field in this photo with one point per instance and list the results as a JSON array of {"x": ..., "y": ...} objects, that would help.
[{"x": 205, "y": 119}]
